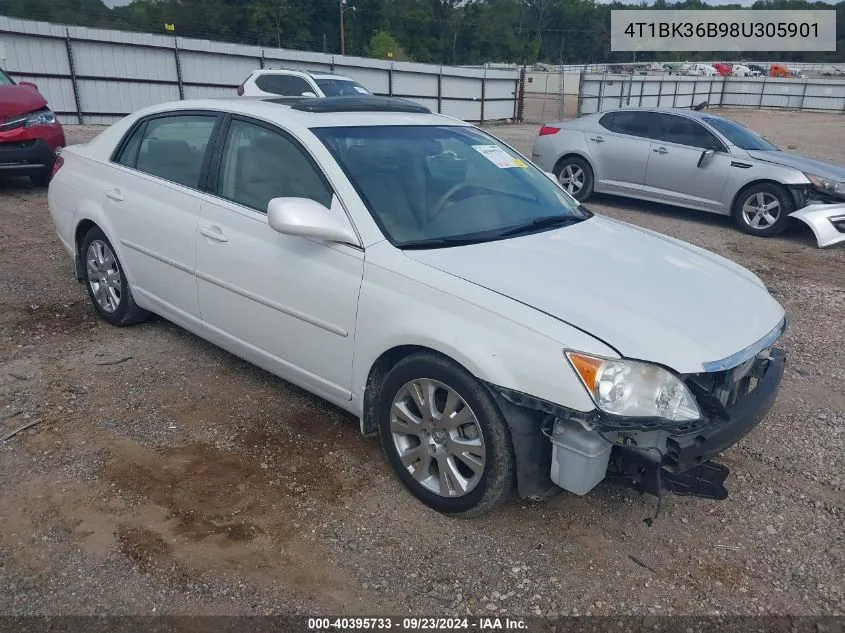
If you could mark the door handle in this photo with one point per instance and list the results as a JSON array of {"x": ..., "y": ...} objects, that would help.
[
  {"x": 114, "y": 194},
  {"x": 214, "y": 233},
  {"x": 597, "y": 139},
  {"x": 660, "y": 150}
]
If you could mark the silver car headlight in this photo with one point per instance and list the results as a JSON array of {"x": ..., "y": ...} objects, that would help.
[
  {"x": 826, "y": 184},
  {"x": 634, "y": 389},
  {"x": 41, "y": 117}
]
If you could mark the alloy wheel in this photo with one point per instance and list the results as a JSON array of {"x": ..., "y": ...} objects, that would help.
[
  {"x": 761, "y": 210},
  {"x": 437, "y": 437},
  {"x": 103, "y": 275},
  {"x": 572, "y": 178}
]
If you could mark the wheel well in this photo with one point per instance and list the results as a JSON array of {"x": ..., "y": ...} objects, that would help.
[
  {"x": 572, "y": 155},
  {"x": 81, "y": 229},
  {"x": 381, "y": 367},
  {"x": 755, "y": 183}
]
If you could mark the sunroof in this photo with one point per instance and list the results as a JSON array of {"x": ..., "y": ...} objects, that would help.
[{"x": 368, "y": 103}]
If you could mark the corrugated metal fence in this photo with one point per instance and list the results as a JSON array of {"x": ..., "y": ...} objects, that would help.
[
  {"x": 601, "y": 92},
  {"x": 98, "y": 76}
]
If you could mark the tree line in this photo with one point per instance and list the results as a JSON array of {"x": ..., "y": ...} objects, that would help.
[{"x": 433, "y": 31}]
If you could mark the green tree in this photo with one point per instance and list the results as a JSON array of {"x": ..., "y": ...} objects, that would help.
[{"x": 384, "y": 46}]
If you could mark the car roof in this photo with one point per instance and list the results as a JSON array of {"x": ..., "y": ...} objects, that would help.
[
  {"x": 284, "y": 114},
  {"x": 302, "y": 71},
  {"x": 688, "y": 112}
]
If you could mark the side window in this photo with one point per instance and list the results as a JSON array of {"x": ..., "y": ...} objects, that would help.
[
  {"x": 129, "y": 153},
  {"x": 172, "y": 147},
  {"x": 258, "y": 165},
  {"x": 286, "y": 85},
  {"x": 684, "y": 131},
  {"x": 632, "y": 123},
  {"x": 607, "y": 121}
]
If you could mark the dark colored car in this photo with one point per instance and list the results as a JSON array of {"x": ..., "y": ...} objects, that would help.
[{"x": 30, "y": 134}]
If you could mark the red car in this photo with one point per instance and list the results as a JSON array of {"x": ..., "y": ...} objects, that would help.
[
  {"x": 723, "y": 69},
  {"x": 30, "y": 134}
]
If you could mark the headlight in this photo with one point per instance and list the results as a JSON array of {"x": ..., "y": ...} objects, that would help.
[
  {"x": 826, "y": 184},
  {"x": 633, "y": 389},
  {"x": 42, "y": 117}
]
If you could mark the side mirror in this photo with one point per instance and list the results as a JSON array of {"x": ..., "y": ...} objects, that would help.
[
  {"x": 28, "y": 84},
  {"x": 705, "y": 157},
  {"x": 304, "y": 217},
  {"x": 308, "y": 94}
]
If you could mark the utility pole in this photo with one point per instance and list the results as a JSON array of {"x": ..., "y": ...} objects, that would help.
[{"x": 342, "y": 36}]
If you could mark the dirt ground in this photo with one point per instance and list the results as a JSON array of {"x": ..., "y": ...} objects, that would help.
[{"x": 167, "y": 476}]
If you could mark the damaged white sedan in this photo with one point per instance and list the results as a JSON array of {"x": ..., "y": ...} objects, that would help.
[{"x": 415, "y": 271}]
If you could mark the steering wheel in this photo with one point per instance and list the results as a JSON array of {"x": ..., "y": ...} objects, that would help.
[{"x": 438, "y": 208}]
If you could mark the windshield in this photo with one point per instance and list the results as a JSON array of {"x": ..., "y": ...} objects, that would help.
[
  {"x": 430, "y": 186},
  {"x": 340, "y": 87},
  {"x": 740, "y": 135}
]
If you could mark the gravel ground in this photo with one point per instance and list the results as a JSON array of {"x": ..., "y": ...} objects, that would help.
[{"x": 167, "y": 476}]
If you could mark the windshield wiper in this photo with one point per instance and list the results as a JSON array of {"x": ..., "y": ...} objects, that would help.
[
  {"x": 539, "y": 223},
  {"x": 437, "y": 242}
]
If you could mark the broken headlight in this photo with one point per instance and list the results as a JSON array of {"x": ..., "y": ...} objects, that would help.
[
  {"x": 634, "y": 389},
  {"x": 833, "y": 187}
]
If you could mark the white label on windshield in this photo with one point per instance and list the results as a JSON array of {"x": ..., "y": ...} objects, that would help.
[
  {"x": 363, "y": 91},
  {"x": 499, "y": 157}
]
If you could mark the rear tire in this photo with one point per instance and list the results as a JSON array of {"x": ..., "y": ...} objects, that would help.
[
  {"x": 444, "y": 436},
  {"x": 763, "y": 209},
  {"x": 576, "y": 176},
  {"x": 106, "y": 282}
]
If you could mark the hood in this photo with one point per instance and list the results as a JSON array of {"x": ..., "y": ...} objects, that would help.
[
  {"x": 647, "y": 295},
  {"x": 15, "y": 100},
  {"x": 802, "y": 163}
]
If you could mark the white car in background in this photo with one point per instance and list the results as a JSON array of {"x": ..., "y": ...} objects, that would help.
[
  {"x": 286, "y": 82},
  {"x": 741, "y": 70},
  {"x": 422, "y": 275},
  {"x": 706, "y": 70}
]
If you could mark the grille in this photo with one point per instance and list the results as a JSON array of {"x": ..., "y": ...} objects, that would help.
[{"x": 724, "y": 389}]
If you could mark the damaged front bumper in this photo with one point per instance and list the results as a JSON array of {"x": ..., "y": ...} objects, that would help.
[
  {"x": 827, "y": 221},
  {"x": 577, "y": 450}
]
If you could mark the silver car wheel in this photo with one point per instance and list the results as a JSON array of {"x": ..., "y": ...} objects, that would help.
[
  {"x": 437, "y": 437},
  {"x": 572, "y": 178},
  {"x": 761, "y": 210},
  {"x": 103, "y": 275}
]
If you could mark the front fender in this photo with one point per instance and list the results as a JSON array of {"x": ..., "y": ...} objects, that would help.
[{"x": 498, "y": 340}]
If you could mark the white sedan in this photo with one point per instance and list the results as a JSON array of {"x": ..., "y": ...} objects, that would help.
[{"x": 417, "y": 272}]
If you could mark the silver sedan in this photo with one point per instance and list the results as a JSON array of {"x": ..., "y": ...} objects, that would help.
[{"x": 691, "y": 159}]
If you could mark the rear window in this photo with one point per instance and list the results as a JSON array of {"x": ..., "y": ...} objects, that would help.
[
  {"x": 632, "y": 123},
  {"x": 5, "y": 80},
  {"x": 286, "y": 85}
]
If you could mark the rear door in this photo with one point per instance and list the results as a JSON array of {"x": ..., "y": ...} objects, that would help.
[
  {"x": 151, "y": 198},
  {"x": 677, "y": 173},
  {"x": 620, "y": 150}
]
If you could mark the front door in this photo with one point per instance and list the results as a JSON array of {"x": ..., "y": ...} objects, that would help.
[
  {"x": 286, "y": 303},
  {"x": 676, "y": 172}
]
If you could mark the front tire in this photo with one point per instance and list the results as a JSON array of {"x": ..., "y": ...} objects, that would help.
[
  {"x": 445, "y": 437},
  {"x": 763, "y": 209},
  {"x": 107, "y": 285},
  {"x": 576, "y": 176}
]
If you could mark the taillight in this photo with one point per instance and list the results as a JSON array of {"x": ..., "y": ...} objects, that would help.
[
  {"x": 241, "y": 90},
  {"x": 59, "y": 162},
  {"x": 548, "y": 129}
]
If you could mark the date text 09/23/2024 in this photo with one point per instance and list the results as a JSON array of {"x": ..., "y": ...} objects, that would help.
[{"x": 329, "y": 624}]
